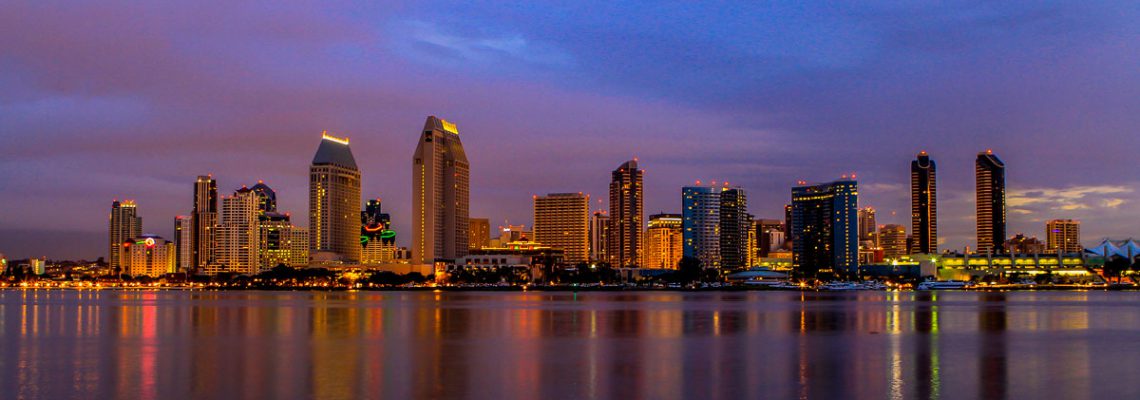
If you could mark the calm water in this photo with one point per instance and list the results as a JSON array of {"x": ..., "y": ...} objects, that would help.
[{"x": 657, "y": 345}]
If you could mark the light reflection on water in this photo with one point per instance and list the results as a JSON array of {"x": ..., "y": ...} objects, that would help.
[{"x": 177, "y": 344}]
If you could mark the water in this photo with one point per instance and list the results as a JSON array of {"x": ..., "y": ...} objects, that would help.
[{"x": 656, "y": 345}]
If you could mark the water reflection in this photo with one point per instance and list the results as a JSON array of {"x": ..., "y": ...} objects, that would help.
[{"x": 173, "y": 344}]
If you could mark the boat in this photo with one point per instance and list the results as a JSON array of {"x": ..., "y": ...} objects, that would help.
[
  {"x": 943, "y": 285},
  {"x": 841, "y": 286},
  {"x": 771, "y": 284}
]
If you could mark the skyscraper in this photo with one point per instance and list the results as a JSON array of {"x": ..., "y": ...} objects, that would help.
[
  {"x": 237, "y": 235},
  {"x": 735, "y": 222},
  {"x": 184, "y": 243},
  {"x": 923, "y": 205},
  {"x": 1063, "y": 235},
  {"x": 479, "y": 233},
  {"x": 440, "y": 194},
  {"x": 377, "y": 239},
  {"x": 663, "y": 241},
  {"x": 868, "y": 229},
  {"x": 266, "y": 197},
  {"x": 125, "y": 224},
  {"x": 205, "y": 220},
  {"x": 274, "y": 231},
  {"x": 334, "y": 202},
  {"x": 990, "y": 178},
  {"x": 700, "y": 211},
  {"x": 599, "y": 236},
  {"x": 562, "y": 220},
  {"x": 893, "y": 240},
  {"x": 626, "y": 216},
  {"x": 825, "y": 228}
]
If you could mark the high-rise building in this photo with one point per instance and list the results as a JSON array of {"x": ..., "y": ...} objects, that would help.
[
  {"x": 479, "y": 233},
  {"x": 769, "y": 236},
  {"x": 237, "y": 235},
  {"x": 266, "y": 197},
  {"x": 299, "y": 247},
  {"x": 753, "y": 247},
  {"x": 148, "y": 255},
  {"x": 892, "y": 239},
  {"x": 627, "y": 218},
  {"x": 924, "y": 205},
  {"x": 663, "y": 241},
  {"x": 125, "y": 224},
  {"x": 1063, "y": 235},
  {"x": 440, "y": 194},
  {"x": 334, "y": 202},
  {"x": 735, "y": 222},
  {"x": 990, "y": 176},
  {"x": 184, "y": 243},
  {"x": 275, "y": 231},
  {"x": 787, "y": 222},
  {"x": 868, "y": 230},
  {"x": 825, "y": 228},
  {"x": 700, "y": 212},
  {"x": 562, "y": 221},
  {"x": 204, "y": 218},
  {"x": 599, "y": 236},
  {"x": 377, "y": 239}
]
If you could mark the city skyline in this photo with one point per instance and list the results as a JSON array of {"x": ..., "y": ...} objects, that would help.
[{"x": 79, "y": 123}]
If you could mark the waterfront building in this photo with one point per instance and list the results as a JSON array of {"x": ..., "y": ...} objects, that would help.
[
  {"x": 626, "y": 215},
  {"x": 868, "y": 229},
  {"x": 39, "y": 265},
  {"x": 238, "y": 237},
  {"x": 184, "y": 243},
  {"x": 204, "y": 219},
  {"x": 1071, "y": 266},
  {"x": 700, "y": 212},
  {"x": 1021, "y": 244},
  {"x": 734, "y": 224},
  {"x": 440, "y": 194},
  {"x": 892, "y": 239},
  {"x": 334, "y": 201},
  {"x": 599, "y": 236},
  {"x": 825, "y": 232},
  {"x": 377, "y": 239},
  {"x": 924, "y": 204},
  {"x": 990, "y": 179},
  {"x": 512, "y": 233},
  {"x": 124, "y": 225},
  {"x": 769, "y": 236},
  {"x": 1126, "y": 248},
  {"x": 299, "y": 247},
  {"x": 149, "y": 255},
  {"x": 275, "y": 232},
  {"x": 664, "y": 241},
  {"x": 479, "y": 233},
  {"x": 562, "y": 221},
  {"x": 1063, "y": 235}
]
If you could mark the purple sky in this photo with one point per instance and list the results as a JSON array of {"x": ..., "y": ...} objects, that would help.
[{"x": 127, "y": 99}]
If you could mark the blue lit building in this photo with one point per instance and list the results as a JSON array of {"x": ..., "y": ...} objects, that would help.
[
  {"x": 700, "y": 213},
  {"x": 825, "y": 228}
]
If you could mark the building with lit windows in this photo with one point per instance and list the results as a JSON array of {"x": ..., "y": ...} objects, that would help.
[
  {"x": 892, "y": 239},
  {"x": 664, "y": 244},
  {"x": 479, "y": 233},
  {"x": 825, "y": 233},
  {"x": 627, "y": 217},
  {"x": 149, "y": 255},
  {"x": 700, "y": 213},
  {"x": 868, "y": 229},
  {"x": 769, "y": 236},
  {"x": 440, "y": 194},
  {"x": 562, "y": 221},
  {"x": 1063, "y": 235},
  {"x": 924, "y": 204},
  {"x": 734, "y": 225},
  {"x": 275, "y": 233},
  {"x": 334, "y": 202},
  {"x": 204, "y": 219},
  {"x": 184, "y": 243},
  {"x": 125, "y": 224},
  {"x": 599, "y": 232},
  {"x": 238, "y": 236},
  {"x": 990, "y": 178},
  {"x": 377, "y": 239}
]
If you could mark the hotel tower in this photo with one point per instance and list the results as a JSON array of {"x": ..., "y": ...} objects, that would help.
[{"x": 440, "y": 194}]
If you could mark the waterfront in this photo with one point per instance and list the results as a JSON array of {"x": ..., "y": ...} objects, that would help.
[{"x": 250, "y": 344}]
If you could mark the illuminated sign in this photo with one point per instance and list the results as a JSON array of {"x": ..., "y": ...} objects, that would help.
[
  {"x": 450, "y": 127},
  {"x": 326, "y": 136}
]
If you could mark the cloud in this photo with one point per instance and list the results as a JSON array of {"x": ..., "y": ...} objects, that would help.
[{"x": 1033, "y": 200}]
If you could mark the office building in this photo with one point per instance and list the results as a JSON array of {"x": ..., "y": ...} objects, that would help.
[
  {"x": 664, "y": 241},
  {"x": 700, "y": 213},
  {"x": 893, "y": 240},
  {"x": 377, "y": 238},
  {"x": 825, "y": 232},
  {"x": 479, "y": 233},
  {"x": 275, "y": 232},
  {"x": 204, "y": 218},
  {"x": 599, "y": 236},
  {"x": 184, "y": 243},
  {"x": 990, "y": 178},
  {"x": 266, "y": 197},
  {"x": 237, "y": 235},
  {"x": 125, "y": 224},
  {"x": 440, "y": 194},
  {"x": 735, "y": 222},
  {"x": 1063, "y": 235},
  {"x": 149, "y": 255},
  {"x": 562, "y": 221},
  {"x": 868, "y": 229},
  {"x": 924, "y": 205},
  {"x": 626, "y": 216},
  {"x": 334, "y": 202},
  {"x": 769, "y": 236}
]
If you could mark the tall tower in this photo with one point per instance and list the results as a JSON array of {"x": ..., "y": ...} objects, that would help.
[
  {"x": 663, "y": 241},
  {"x": 868, "y": 229},
  {"x": 562, "y": 220},
  {"x": 626, "y": 217},
  {"x": 923, "y": 205},
  {"x": 183, "y": 243},
  {"x": 440, "y": 194},
  {"x": 237, "y": 235},
  {"x": 990, "y": 178},
  {"x": 204, "y": 219},
  {"x": 599, "y": 236},
  {"x": 700, "y": 211},
  {"x": 334, "y": 202},
  {"x": 1063, "y": 235},
  {"x": 735, "y": 222},
  {"x": 825, "y": 233},
  {"x": 125, "y": 225},
  {"x": 893, "y": 239}
]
